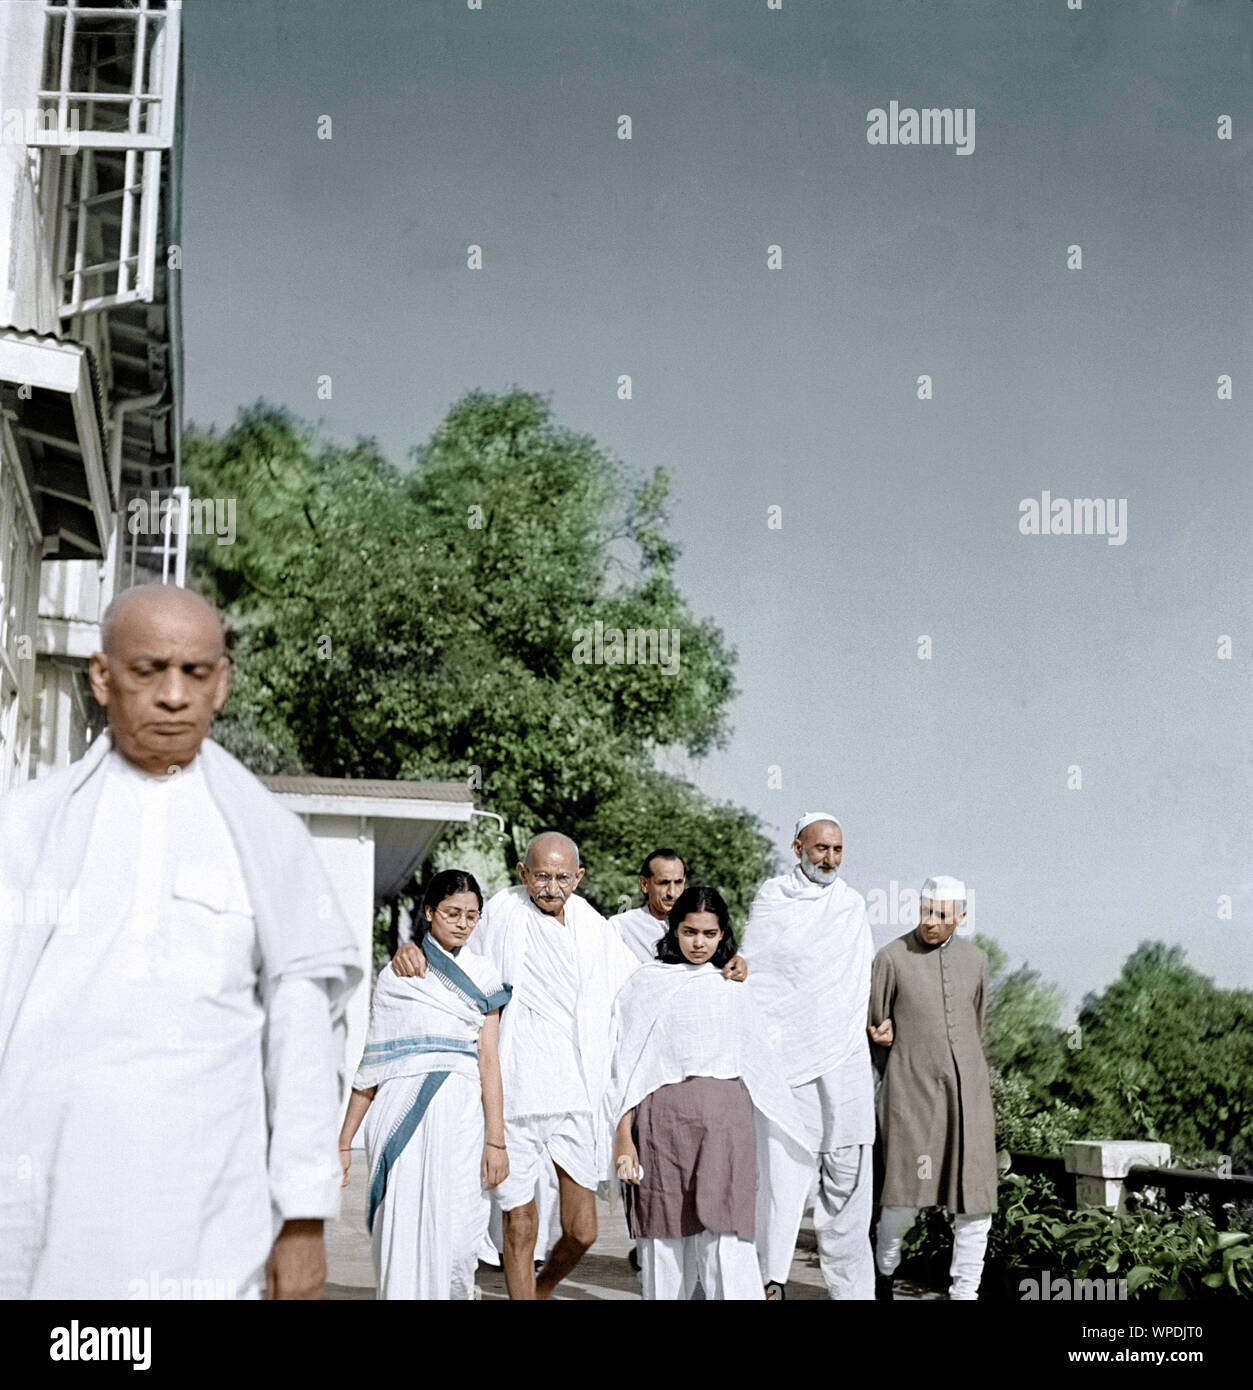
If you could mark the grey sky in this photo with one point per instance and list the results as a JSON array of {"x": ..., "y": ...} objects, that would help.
[{"x": 797, "y": 387}]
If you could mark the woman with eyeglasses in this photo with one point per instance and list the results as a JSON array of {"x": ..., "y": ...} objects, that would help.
[{"x": 429, "y": 1091}]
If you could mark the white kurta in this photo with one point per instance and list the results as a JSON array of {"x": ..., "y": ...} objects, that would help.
[
  {"x": 136, "y": 1078},
  {"x": 640, "y": 932}
]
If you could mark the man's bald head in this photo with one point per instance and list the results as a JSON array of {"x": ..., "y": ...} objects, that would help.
[
  {"x": 550, "y": 871},
  {"x": 163, "y": 674},
  {"x": 543, "y": 845},
  {"x": 160, "y": 602}
]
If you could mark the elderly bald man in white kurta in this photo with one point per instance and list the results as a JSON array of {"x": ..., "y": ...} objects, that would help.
[
  {"x": 171, "y": 1036},
  {"x": 809, "y": 944}
]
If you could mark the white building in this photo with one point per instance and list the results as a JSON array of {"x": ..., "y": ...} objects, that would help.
[
  {"x": 371, "y": 836},
  {"x": 91, "y": 399},
  {"x": 90, "y": 340}
]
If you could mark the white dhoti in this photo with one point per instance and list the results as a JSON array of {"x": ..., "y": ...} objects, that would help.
[
  {"x": 538, "y": 1144},
  {"x": 724, "y": 1266},
  {"x": 433, "y": 1216}
]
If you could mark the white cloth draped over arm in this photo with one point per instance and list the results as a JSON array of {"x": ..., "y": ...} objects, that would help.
[{"x": 303, "y": 1061}]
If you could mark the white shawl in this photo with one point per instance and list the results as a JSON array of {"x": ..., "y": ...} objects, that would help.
[
  {"x": 676, "y": 1021},
  {"x": 603, "y": 964},
  {"x": 640, "y": 932},
  {"x": 432, "y": 1023},
  {"x": 45, "y": 827},
  {"x": 810, "y": 951}
]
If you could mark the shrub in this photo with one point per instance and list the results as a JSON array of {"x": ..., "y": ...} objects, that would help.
[{"x": 1161, "y": 1254}]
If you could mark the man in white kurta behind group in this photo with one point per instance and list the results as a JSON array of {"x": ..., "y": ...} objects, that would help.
[
  {"x": 809, "y": 944},
  {"x": 171, "y": 1037},
  {"x": 662, "y": 879}
]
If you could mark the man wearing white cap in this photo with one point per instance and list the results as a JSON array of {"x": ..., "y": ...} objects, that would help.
[
  {"x": 928, "y": 999},
  {"x": 809, "y": 944}
]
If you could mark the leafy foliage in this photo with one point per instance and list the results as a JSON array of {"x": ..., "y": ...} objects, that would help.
[
  {"x": 1162, "y": 1053},
  {"x": 1161, "y": 1255},
  {"x": 1024, "y": 1124},
  {"x": 422, "y": 624},
  {"x": 1168, "y": 1055}
]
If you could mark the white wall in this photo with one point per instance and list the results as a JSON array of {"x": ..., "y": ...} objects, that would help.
[
  {"x": 60, "y": 713},
  {"x": 27, "y": 296}
]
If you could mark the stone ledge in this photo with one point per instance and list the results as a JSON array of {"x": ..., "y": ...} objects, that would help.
[{"x": 1113, "y": 1158}]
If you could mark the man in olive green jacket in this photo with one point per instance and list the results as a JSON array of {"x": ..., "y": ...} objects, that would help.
[{"x": 937, "y": 1131}]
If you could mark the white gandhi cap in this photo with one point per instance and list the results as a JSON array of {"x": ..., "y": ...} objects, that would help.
[
  {"x": 941, "y": 888},
  {"x": 812, "y": 818}
]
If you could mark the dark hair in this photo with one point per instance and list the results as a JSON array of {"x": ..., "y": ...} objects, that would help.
[
  {"x": 646, "y": 868},
  {"x": 443, "y": 885},
  {"x": 697, "y": 899}
]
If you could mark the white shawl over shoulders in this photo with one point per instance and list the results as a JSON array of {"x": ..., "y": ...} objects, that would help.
[
  {"x": 809, "y": 950},
  {"x": 602, "y": 964},
  {"x": 677, "y": 1021},
  {"x": 45, "y": 827}
]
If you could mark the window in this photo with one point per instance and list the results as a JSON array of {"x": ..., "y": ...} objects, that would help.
[
  {"x": 107, "y": 235},
  {"x": 108, "y": 98},
  {"x": 110, "y": 76}
]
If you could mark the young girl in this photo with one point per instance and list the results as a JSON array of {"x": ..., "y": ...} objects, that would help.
[
  {"x": 429, "y": 1090},
  {"x": 693, "y": 1077}
]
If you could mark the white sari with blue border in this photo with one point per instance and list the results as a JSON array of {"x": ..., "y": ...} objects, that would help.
[{"x": 425, "y": 1028}]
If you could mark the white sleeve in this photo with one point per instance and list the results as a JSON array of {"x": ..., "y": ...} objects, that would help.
[{"x": 304, "y": 1057}]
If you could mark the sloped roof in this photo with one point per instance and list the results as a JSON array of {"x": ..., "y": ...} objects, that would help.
[{"x": 371, "y": 788}]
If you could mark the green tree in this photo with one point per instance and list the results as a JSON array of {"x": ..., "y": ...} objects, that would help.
[
  {"x": 424, "y": 624},
  {"x": 1028, "y": 1050},
  {"x": 1166, "y": 1054}
]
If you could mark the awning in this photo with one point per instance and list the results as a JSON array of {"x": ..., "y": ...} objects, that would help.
[
  {"x": 407, "y": 817},
  {"x": 51, "y": 391}
]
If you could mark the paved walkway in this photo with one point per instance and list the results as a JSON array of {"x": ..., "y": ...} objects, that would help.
[{"x": 602, "y": 1274}]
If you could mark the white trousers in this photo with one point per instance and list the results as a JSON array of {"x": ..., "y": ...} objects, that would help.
[
  {"x": 970, "y": 1241},
  {"x": 842, "y": 1206},
  {"x": 724, "y": 1266}
]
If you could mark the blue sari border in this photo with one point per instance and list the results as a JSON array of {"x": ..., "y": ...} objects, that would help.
[
  {"x": 460, "y": 983},
  {"x": 398, "y": 1138}
]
